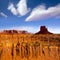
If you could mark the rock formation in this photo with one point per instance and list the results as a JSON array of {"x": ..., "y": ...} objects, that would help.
[
  {"x": 43, "y": 30},
  {"x": 14, "y": 32}
]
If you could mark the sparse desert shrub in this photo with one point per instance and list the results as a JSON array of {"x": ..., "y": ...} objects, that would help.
[
  {"x": 17, "y": 48},
  {"x": 12, "y": 51},
  {"x": 27, "y": 50}
]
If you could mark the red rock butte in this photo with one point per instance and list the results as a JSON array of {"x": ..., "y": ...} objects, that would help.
[{"x": 43, "y": 30}]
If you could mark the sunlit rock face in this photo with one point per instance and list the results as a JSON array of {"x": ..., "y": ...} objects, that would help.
[{"x": 43, "y": 30}]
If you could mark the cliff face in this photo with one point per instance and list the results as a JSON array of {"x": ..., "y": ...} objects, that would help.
[{"x": 43, "y": 30}]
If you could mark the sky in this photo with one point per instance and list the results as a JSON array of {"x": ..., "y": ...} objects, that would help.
[{"x": 29, "y": 15}]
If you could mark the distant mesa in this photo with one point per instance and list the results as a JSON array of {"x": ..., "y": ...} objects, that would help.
[
  {"x": 14, "y": 32},
  {"x": 43, "y": 30}
]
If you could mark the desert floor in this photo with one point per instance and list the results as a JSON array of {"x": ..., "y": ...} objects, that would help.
[{"x": 29, "y": 47}]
